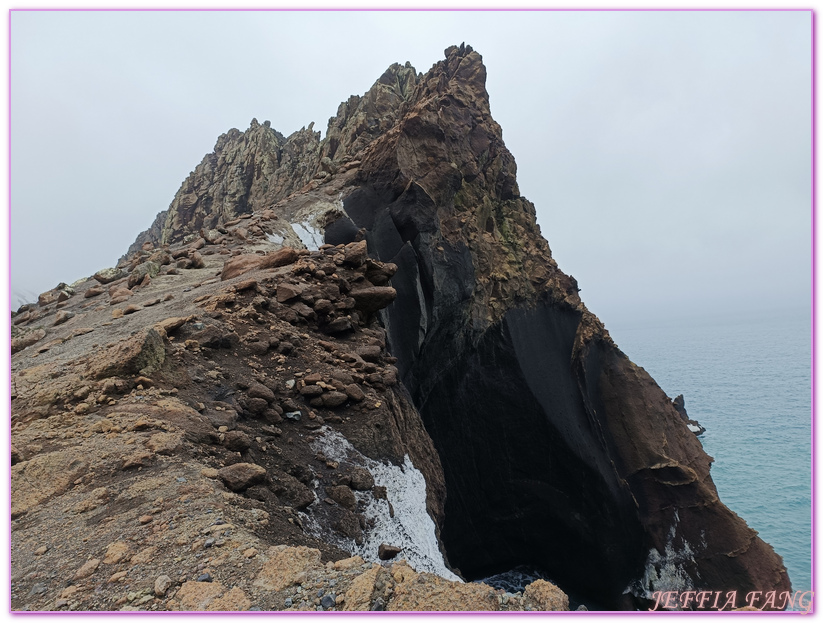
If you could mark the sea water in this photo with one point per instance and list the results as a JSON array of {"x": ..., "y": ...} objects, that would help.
[{"x": 748, "y": 381}]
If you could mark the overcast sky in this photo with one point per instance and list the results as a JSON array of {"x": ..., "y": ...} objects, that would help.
[{"x": 668, "y": 153}]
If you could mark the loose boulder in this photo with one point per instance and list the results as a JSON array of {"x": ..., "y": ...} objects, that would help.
[
  {"x": 372, "y": 299},
  {"x": 241, "y": 476},
  {"x": 107, "y": 275}
]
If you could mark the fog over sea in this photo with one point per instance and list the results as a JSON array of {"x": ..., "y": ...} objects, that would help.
[{"x": 748, "y": 381}]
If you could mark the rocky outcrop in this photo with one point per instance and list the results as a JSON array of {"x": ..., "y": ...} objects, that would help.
[
  {"x": 543, "y": 426},
  {"x": 212, "y": 386},
  {"x": 233, "y": 359},
  {"x": 679, "y": 404},
  {"x": 558, "y": 451},
  {"x": 246, "y": 172},
  {"x": 196, "y": 463}
]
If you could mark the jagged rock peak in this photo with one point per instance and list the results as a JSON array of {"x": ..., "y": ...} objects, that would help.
[
  {"x": 543, "y": 445},
  {"x": 253, "y": 170},
  {"x": 245, "y": 172}
]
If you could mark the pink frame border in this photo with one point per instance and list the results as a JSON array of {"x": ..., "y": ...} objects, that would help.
[{"x": 7, "y": 321}]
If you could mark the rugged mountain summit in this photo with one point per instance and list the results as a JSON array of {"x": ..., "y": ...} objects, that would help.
[
  {"x": 557, "y": 450},
  {"x": 436, "y": 298}
]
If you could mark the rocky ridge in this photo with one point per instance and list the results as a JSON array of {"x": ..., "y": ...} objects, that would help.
[
  {"x": 433, "y": 309},
  {"x": 164, "y": 452}
]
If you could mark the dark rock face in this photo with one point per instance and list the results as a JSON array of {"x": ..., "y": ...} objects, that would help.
[
  {"x": 543, "y": 492},
  {"x": 557, "y": 450},
  {"x": 679, "y": 404}
]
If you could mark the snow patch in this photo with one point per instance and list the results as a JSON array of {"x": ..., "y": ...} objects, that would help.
[
  {"x": 275, "y": 238},
  {"x": 309, "y": 236},
  {"x": 666, "y": 571},
  {"x": 411, "y": 528}
]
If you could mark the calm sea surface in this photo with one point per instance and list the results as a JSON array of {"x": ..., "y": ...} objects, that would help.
[{"x": 748, "y": 381}]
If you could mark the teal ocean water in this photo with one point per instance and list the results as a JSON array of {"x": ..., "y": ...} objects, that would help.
[{"x": 748, "y": 381}]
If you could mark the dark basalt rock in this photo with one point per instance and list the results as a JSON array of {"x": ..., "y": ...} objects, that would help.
[
  {"x": 341, "y": 231},
  {"x": 679, "y": 404},
  {"x": 387, "y": 552},
  {"x": 558, "y": 451}
]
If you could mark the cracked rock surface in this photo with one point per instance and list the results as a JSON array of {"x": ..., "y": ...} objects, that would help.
[{"x": 174, "y": 417}]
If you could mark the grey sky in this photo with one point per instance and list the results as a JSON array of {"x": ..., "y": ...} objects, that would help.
[{"x": 668, "y": 153}]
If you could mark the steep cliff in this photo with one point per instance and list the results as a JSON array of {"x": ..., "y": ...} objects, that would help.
[{"x": 557, "y": 451}]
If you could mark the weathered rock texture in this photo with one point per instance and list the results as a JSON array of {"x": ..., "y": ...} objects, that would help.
[
  {"x": 558, "y": 451},
  {"x": 544, "y": 445},
  {"x": 172, "y": 441},
  {"x": 246, "y": 172}
]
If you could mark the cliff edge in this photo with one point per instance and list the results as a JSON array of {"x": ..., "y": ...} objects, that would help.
[{"x": 422, "y": 277}]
